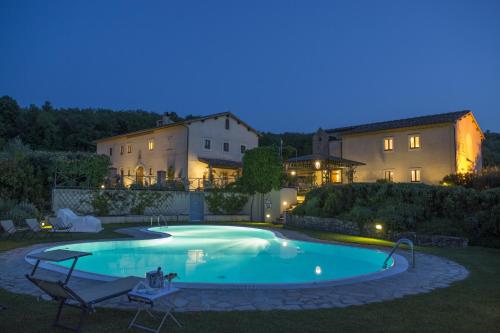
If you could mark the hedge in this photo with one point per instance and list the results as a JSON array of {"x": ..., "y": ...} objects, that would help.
[{"x": 449, "y": 210}]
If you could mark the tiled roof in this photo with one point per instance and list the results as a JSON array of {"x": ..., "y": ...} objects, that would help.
[
  {"x": 183, "y": 122},
  {"x": 326, "y": 158},
  {"x": 401, "y": 123},
  {"x": 219, "y": 163}
]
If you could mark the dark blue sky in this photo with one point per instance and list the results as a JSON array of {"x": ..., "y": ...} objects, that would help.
[{"x": 280, "y": 65}]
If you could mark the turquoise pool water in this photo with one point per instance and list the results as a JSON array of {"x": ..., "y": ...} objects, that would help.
[{"x": 223, "y": 254}]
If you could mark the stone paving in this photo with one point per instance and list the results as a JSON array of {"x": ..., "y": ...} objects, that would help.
[{"x": 430, "y": 273}]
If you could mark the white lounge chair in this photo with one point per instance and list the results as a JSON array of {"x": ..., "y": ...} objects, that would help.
[
  {"x": 66, "y": 217},
  {"x": 83, "y": 299}
]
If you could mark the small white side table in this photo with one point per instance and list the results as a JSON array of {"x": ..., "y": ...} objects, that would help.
[{"x": 147, "y": 302}]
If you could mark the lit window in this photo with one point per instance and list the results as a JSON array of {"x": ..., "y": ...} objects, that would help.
[
  {"x": 414, "y": 141},
  {"x": 122, "y": 150},
  {"x": 415, "y": 175},
  {"x": 388, "y": 144},
  {"x": 207, "y": 144},
  {"x": 110, "y": 151},
  {"x": 243, "y": 149},
  {"x": 227, "y": 123},
  {"x": 226, "y": 146},
  {"x": 151, "y": 144},
  {"x": 336, "y": 176},
  {"x": 389, "y": 175},
  {"x": 129, "y": 149}
]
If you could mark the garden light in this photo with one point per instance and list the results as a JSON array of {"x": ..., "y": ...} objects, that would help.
[{"x": 378, "y": 226}]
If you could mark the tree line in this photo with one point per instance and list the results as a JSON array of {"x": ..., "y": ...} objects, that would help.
[{"x": 75, "y": 129}]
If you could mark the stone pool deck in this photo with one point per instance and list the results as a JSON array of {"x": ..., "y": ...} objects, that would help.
[{"x": 431, "y": 272}]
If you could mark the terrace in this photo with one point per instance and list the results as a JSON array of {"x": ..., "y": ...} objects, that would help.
[{"x": 425, "y": 305}]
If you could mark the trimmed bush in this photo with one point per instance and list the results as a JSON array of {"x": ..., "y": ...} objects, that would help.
[
  {"x": 222, "y": 202},
  {"x": 448, "y": 210}
]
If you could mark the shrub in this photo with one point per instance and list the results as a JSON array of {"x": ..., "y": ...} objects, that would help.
[
  {"x": 361, "y": 215},
  {"x": 222, "y": 202},
  {"x": 486, "y": 179},
  {"x": 17, "y": 212},
  {"x": 452, "y": 210}
]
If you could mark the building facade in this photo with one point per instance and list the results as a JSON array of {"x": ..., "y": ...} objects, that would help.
[
  {"x": 199, "y": 151},
  {"x": 414, "y": 150}
]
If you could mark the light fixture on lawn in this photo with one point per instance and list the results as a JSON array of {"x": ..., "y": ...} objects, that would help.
[{"x": 378, "y": 226}]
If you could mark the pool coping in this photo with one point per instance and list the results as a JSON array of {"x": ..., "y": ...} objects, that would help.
[
  {"x": 400, "y": 265},
  {"x": 431, "y": 273}
]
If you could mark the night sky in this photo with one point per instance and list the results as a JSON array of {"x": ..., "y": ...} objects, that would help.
[{"x": 279, "y": 65}]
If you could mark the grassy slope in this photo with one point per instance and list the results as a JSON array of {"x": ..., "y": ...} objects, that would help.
[{"x": 472, "y": 305}]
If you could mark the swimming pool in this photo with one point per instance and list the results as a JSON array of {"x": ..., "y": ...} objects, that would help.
[{"x": 225, "y": 255}]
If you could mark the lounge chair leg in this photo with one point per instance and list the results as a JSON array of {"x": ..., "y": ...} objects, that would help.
[
  {"x": 80, "y": 321},
  {"x": 59, "y": 310}
]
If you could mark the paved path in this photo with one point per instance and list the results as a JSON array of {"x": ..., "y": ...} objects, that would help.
[{"x": 431, "y": 272}]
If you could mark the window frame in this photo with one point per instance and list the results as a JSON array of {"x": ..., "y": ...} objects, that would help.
[
  {"x": 227, "y": 125},
  {"x": 411, "y": 137},
  {"x": 391, "y": 175},
  {"x": 340, "y": 176},
  {"x": 224, "y": 147},
  {"x": 417, "y": 172},
  {"x": 209, "y": 144},
  {"x": 122, "y": 149},
  {"x": 151, "y": 144},
  {"x": 129, "y": 148},
  {"x": 110, "y": 151},
  {"x": 389, "y": 139},
  {"x": 243, "y": 149}
]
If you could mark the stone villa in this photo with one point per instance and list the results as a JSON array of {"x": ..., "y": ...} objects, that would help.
[
  {"x": 202, "y": 150},
  {"x": 421, "y": 149}
]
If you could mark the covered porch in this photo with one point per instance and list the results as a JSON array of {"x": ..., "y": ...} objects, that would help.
[
  {"x": 218, "y": 173},
  {"x": 310, "y": 171}
]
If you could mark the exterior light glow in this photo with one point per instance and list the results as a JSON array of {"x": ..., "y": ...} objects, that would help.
[
  {"x": 378, "y": 226},
  {"x": 268, "y": 216},
  {"x": 317, "y": 270},
  {"x": 285, "y": 203},
  {"x": 102, "y": 186},
  {"x": 293, "y": 172},
  {"x": 285, "y": 244},
  {"x": 317, "y": 164}
]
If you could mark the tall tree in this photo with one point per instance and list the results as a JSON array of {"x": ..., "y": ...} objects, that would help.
[{"x": 262, "y": 171}]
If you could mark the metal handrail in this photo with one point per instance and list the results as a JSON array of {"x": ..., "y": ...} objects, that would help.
[
  {"x": 396, "y": 246},
  {"x": 158, "y": 219}
]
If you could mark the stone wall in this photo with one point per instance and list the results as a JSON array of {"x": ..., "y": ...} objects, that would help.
[
  {"x": 324, "y": 224},
  {"x": 434, "y": 240},
  {"x": 351, "y": 228}
]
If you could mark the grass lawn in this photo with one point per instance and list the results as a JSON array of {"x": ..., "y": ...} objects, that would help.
[{"x": 472, "y": 305}]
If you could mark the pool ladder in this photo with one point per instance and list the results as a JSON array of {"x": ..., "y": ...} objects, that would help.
[
  {"x": 396, "y": 246},
  {"x": 159, "y": 219}
]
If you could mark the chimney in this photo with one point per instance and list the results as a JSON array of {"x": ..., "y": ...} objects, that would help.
[{"x": 165, "y": 119}]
